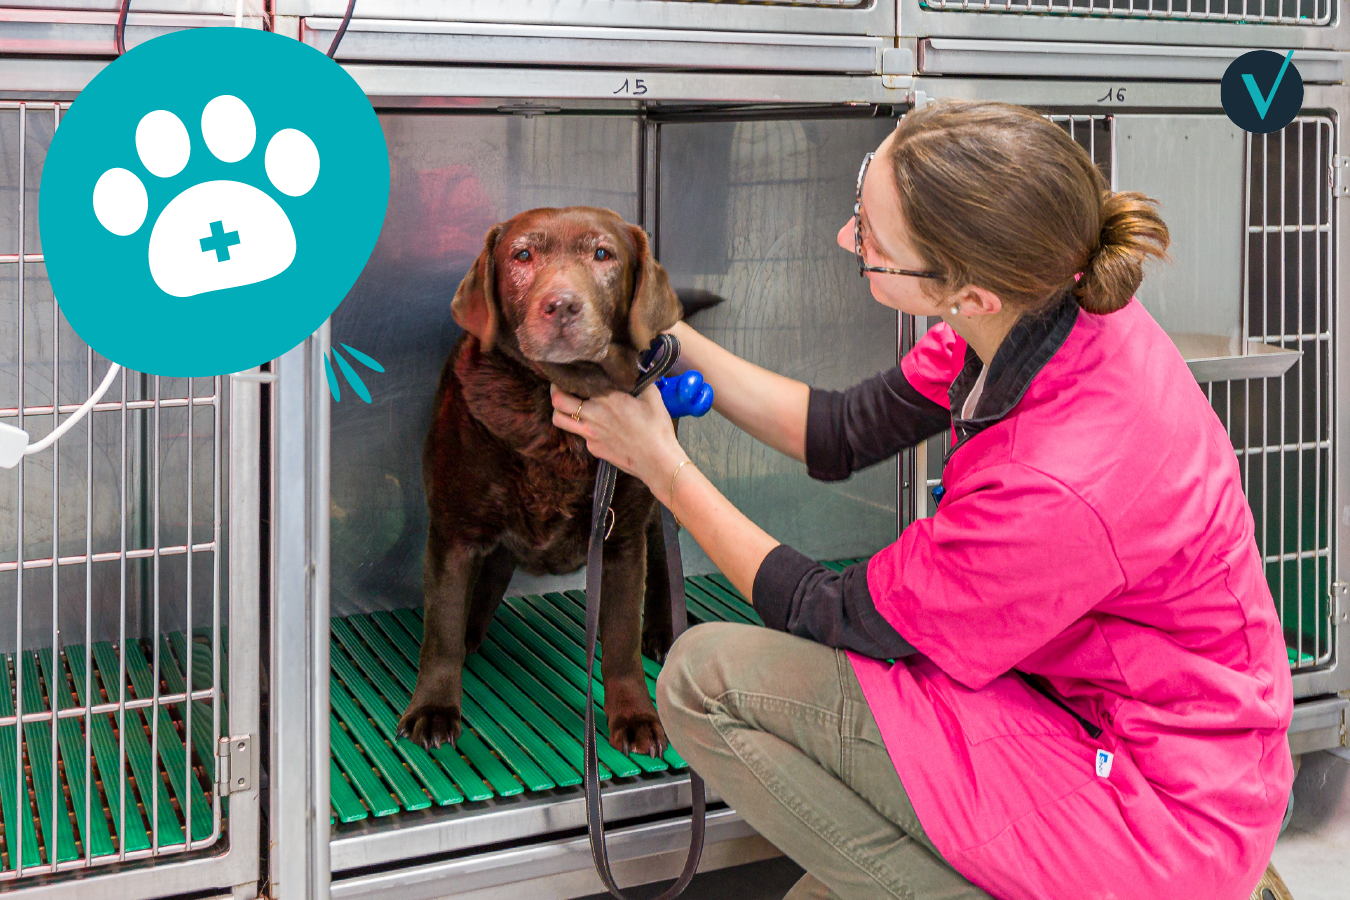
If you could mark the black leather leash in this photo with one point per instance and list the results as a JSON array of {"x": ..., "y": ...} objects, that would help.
[{"x": 657, "y": 362}]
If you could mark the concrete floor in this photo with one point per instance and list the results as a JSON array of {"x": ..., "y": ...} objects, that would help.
[{"x": 1313, "y": 854}]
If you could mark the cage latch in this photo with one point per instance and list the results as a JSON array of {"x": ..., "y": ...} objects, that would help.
[
  {"x": 1340, "y": 603},
  {"x": 1338, "y": 166},
  {"x": 234, "y": 764},
  {"x": 919, "y": 99}
]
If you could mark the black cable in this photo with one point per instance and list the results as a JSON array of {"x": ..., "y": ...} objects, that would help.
[
  {"x": 342, "y": 29},
  {"x": 119, "y": 34}
]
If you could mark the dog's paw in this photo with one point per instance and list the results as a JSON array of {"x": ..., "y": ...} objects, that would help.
[
  {"x": 656, "y": 643},
  {"x": 430, "y": 726},
  {"x": 638, "y": 733}
]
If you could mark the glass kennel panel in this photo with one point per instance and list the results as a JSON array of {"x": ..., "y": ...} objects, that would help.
[
  {"x": 749, "y": 210},
  {"x": 1283, "y": 428},
  {"x": 112, "y": 579}
]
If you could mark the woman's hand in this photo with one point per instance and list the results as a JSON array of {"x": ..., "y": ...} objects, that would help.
[
  {"x": 769, "y": 407},
  {"x": 634, "y": 433}
]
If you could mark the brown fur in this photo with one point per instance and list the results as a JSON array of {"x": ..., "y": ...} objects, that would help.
[{"x": 507, "y": 490}]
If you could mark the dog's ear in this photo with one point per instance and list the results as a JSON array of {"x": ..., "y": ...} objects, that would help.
[
  {"x": 655, "y": 306},
  {"x": 475, "y": 303}
]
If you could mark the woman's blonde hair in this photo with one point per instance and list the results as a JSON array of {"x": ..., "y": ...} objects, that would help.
[{"x": 997, "y": 196}]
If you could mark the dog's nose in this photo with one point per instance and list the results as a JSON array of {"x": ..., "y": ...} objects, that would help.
[{"x": 563, "y": 308}]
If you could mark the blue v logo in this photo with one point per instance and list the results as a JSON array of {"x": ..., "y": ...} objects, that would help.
[{"x": 1251, "y": 108}]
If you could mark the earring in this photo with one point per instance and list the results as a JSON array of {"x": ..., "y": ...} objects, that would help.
[{"x": 956, "y": 310}]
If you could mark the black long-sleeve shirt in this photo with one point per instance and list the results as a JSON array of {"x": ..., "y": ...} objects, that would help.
[{"x": 845, "y": 431}]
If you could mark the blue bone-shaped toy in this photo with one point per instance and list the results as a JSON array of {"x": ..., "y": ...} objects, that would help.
[{"x": 685, "y": 395}]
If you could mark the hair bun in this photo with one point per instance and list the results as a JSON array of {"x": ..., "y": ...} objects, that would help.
[{"x": 1131, "y": 231}]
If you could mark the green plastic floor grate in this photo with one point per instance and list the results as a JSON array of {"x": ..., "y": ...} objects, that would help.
[
  {"x": 61, "y": 834},
  {"x": 524, "y": 701}
]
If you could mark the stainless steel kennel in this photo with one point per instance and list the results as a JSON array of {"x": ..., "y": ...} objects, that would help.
[{"x": 732, "y": 132}]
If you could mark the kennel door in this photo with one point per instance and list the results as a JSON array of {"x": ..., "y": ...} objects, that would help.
[{"x": 127, "y": 552}]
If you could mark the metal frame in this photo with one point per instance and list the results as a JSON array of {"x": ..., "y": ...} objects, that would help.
[
  {"x": 563, "y": 867},
  {"x": 299, "y": 666},
  {"x": 379, "y": 842},
  {"x": 1003, "y": 21}
]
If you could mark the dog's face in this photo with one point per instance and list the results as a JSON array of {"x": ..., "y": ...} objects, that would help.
[{"x": 563, "y": 285}]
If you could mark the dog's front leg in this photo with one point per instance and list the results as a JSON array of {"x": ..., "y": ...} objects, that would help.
[
  {"x": 433, "y": 714},
  {"x": 658, "y": 631},
  {"x": 633, "y": 725}
]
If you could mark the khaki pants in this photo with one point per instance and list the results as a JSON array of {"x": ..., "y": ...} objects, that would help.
[{"x": 778, "y": 727}]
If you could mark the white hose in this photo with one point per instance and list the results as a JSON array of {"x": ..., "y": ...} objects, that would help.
[
  {"x": 77, "y": 415},
  {"x": 238, "y": 13}
]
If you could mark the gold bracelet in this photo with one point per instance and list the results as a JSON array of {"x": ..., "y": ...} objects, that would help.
[{"x": 672, "y": 491}]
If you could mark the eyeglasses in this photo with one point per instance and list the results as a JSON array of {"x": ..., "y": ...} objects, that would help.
[{"x": 863, "y": 267}]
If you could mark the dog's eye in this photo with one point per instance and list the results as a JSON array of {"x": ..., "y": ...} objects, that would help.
[
  {"x": 602, "y": 254},
  {"x": 522, "y": 256}
]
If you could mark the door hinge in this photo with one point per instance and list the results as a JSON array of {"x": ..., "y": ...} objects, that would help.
[
  {"x": 234, "y": 764},
  {"x": 1340, "y": 602},
  {"x": 1338, "y": 166}
]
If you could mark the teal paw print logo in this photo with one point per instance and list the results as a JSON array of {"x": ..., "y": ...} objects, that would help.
[
  {"x": 202, "y": 224},
  {"x": 182, "y": 264}
]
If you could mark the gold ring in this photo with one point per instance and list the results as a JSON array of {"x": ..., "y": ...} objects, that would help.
[{"x": 576, "y": 416}]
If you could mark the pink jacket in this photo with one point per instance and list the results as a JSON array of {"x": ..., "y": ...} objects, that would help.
[{"x": 1098, "y": 537}]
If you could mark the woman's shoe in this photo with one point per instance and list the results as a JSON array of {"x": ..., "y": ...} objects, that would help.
[{"x": 1271, "y": 886}]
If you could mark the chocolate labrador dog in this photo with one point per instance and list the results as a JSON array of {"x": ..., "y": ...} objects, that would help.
[{"x": 568, "y": 296}]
